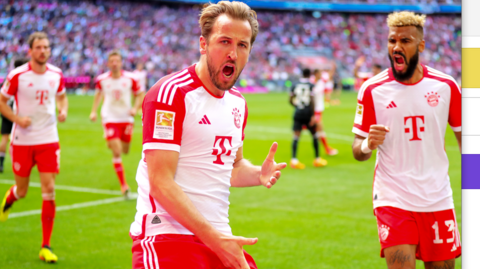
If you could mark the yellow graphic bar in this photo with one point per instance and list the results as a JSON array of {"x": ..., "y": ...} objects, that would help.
[{"x": 471, "y": 68}]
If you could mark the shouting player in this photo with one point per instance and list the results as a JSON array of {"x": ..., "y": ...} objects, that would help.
[
  {"x": 323, "y": 84},
  {"x": 403, "y": 113},
  {"x": 302, "y": 98},
  {"x": 193, "y": 131},
  {"x": 116, "y": 87},
  {"x": 36, "y": 86},
  {"x": 6, "y": 123}
]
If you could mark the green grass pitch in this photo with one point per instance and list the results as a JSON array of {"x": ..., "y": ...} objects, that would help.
[{"x": 314, "y": 218}]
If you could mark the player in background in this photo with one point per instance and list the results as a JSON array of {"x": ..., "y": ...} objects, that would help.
[
  {"x": 6, "y": 123},
  {"x": 191, "y": 160},
  {"x": 116, "y": 87},
  {"x": 322, "y": 85},
  {"x": 141, "y": 74},
  {"x": 302, "y": 98},
  {"x": 36, "y": 86},
  {"x": 361, "y": 77},
  {"x": 403, "y": 113}
]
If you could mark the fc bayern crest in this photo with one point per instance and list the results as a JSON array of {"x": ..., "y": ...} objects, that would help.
[
  {"x": 383, "y": 231},
  {"x": 52, "y": 83},
  {"x": 432, "y": 98},
  {"x": 237, "y": 118}
]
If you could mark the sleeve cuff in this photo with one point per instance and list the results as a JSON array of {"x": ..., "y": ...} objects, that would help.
[
  {"x": 359, "y": 132},
  {"x": 6, "y": 94},
  {"x": 62, "y": 91},
  {"x": 456, "y": 129},
  {"x": 161, "y": 146}
]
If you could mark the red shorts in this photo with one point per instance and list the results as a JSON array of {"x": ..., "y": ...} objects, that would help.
[
  {"x": 122, "y": 131},
  {"x": 176, "y": 251},
  {"x": 318, "y": 116},
  {"x": 435, "y": 233},
  {"x": 46, "y": 157}
]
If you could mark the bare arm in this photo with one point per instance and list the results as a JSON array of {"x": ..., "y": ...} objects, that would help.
[
  {"x": 458, "y": 135},
  {"x": 357, "y": 151},
  {"x": 138, "y": 103},
  {"x": 358, "y": 64},
  {"x": 162, "y": 165},
  {"x": 7, "y": 112},
  {"x": 376, "y": 136},
  {"x": 291, "y": 100},
  {"x": 97, "y": 98},
  {"x": 245, "y": 174},
  {"x": 62, "y": 105}
]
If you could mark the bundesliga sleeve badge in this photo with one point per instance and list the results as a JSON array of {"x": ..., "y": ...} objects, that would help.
[
  {"x": 164, "y": 125},
  {"x": 359, "y": 114}
]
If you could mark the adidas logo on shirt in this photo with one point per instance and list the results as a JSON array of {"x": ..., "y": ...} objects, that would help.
[
  {"x": 156, "y": 220},
  {"x": 391, "y": 105},
  {"x": 204, "y": 120}
]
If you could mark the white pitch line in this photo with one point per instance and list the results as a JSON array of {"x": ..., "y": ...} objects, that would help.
[
  {"x": 67, "y": 188},
  {"x": 70, "y": 207}
]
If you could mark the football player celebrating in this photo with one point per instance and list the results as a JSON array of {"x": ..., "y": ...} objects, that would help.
[{"x": 403, "y": 114}]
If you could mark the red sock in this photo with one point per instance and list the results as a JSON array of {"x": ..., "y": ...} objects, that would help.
[
  {"x": 120, "y": 173},
  {"x": 11, "y": 198},
  {"x": 324, "y": 142},
  {"x": 48, "y": 214}
]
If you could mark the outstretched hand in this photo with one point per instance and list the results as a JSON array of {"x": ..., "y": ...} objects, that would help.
[{"x": 270, "y": 172}]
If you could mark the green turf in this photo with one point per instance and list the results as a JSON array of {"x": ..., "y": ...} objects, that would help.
[{"x": 315, "y": 218}]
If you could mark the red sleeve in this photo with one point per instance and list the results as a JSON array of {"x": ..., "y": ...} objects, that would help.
[
  {"x": 163, "y": 123},
  {"x": 98, "y": 85},
  {"x": 10, "y": 86},
  {"x": 365, "y": 114},
  {"x": 245, "y": 120},
  {"x": 455, "y": 111},
  {"x": 135, "y": 86},
  {"x": 61, "y": 87}
]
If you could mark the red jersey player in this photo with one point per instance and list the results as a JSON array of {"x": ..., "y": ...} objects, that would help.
[
  {"x": 193, "y": 131},
  {"x": 403, "y": 113},
  {"x": 116, "y": 87},
  {"x": 36, "y": 86}
]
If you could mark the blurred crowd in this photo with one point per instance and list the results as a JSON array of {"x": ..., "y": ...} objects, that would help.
[{"x": 165, "y": 38}]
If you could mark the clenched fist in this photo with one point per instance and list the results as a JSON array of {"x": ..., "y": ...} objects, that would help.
[{"x": 376, "y": 136}]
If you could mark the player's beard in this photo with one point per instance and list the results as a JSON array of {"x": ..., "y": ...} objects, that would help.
[
  {"x": 215, "y": 73},
  {"x": 41, "y": 62},
  {"x": 411, "y": 66}
]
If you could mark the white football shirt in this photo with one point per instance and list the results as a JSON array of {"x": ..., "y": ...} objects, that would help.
[
  {"x": 35, "y": 97},
  {"x": 321, "y": 86},
  {"x": 117, "y": 93},
  {"x": 180, "y": 114},
  {"x": 411, "y": 170},
  {"x": 141, "y": 76}
]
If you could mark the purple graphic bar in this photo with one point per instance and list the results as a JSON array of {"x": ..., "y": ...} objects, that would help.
[{"x": 470, "y": 171}]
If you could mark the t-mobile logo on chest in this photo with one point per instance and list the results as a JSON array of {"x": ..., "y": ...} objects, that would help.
[
  {"x": 225, "y": 144},
  {"x": 417, "y": 125},
  {"x": 42, "y": 96}
]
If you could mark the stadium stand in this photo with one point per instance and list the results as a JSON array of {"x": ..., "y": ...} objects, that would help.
[{"x": 145, "y": 32}]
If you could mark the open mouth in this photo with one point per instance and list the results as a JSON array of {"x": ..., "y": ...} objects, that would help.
[
  {"x": 228, "y": 70},
  {"x": 399, "y": 62}
]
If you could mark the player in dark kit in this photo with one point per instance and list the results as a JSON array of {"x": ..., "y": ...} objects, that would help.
[
  {"x": 301, "y": 98},
  {"x": 6, "y": 123}
]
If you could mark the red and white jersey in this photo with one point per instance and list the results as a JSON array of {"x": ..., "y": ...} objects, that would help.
[
  {"x": 324, "y": 84},
  {"x": 180, "y": 114},
  {"x": 35, "y": 97},
  {"x": 141, "y": 76},
  {"x": 362, "y": 77},
  {"x": 117, "y": 93},
  {"x": 411, "y": 170}
]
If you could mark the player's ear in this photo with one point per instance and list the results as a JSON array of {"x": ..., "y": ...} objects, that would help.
[
  {"x": 421, "y": 46},
  {"x": 203, "y": 45}
]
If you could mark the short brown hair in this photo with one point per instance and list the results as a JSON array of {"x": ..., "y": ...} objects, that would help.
[
  {"x": 235, "y": 10},
  {"x": 114, "y": 53},
  {"x": 34, "y": 36}
]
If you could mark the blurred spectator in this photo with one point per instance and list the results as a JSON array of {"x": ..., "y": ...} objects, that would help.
[{"x": 165, "y": 38}]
